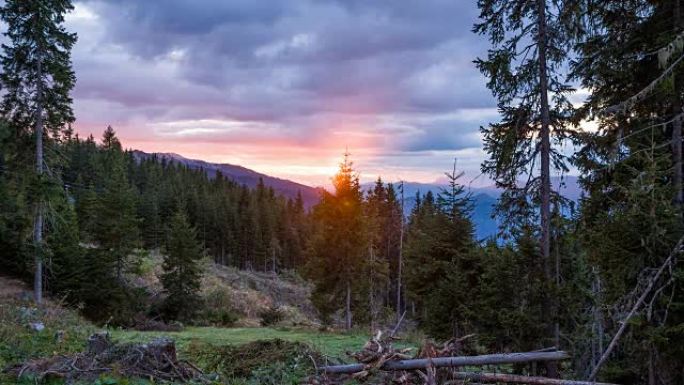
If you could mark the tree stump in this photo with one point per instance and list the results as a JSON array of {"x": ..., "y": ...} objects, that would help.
[
  {"x": 162, "y": 349},
  {"x": 99, "y": 343}
]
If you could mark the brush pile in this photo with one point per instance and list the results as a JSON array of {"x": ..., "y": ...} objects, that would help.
[
  {"x": 448, "y": 363},
  {"x": 380, "y": 350},
  {"x": 268, "y": 358},
  {"x": 155, "y": 361}
]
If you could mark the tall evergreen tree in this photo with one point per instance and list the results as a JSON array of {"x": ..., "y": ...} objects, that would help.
[
  {"x": 338, "y": 248},
  {"x": 377, "y": 264},
  {"x": 631, "y": 169},
  {"x": 37, "y": 79},
  {"x": 117, "y": 223},
  {"x": 531, "y": 41},
  {"x": 442, "y": 259},
  {"x": 182, "y": 269}
]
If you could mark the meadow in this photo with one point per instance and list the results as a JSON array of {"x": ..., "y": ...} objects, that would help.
[{"x": 332, "y": 344}]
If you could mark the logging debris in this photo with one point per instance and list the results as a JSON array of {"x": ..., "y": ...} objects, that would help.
[
  {"x": 240, "y": 361},
  {"x": 378, "y": 362},
  {"x": 379, "y": 352},
  {"x": 156, "y": 360}
]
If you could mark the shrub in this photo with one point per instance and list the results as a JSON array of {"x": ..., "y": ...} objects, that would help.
[
  {"x": 271, "y": 316},
  {"x": 142, "y": 322},
  {"x": 221, "y": 317}
]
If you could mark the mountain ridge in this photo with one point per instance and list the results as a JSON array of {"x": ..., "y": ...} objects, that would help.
[
  {"x": 241, "y": 175},
  {"x": 484, "y": 197}
]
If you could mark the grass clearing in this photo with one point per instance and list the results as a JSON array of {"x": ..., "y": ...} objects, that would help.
[
  {"x": 328, "y": 343},
  {"x": 276, "y": 355}
]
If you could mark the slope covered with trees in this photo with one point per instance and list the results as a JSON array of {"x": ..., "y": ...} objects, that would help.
[
  {"x": 107, "y": 208},
  {"x": 600, "y": 279}
]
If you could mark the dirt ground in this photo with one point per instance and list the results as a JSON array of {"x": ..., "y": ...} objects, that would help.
[{"x": 14, "y": 288}]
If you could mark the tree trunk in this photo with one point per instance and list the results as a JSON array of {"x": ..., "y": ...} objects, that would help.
[
  {"x": 348, "y": 317},
  {"x": 119, "y": 266},
  {"x": 651, "y": 365},
  {"x": 38, "y": 220},
  {"x": 677, "y": 158},
  {"x": 677, "y": 123},
  {"x": 371, "y": 291},
  {"x": 273, "y": 259},
  {"x": 557, "y": 270},
  {"x": 545, "y": 170},
  {"x": 597, "y": 345},
  {"x": 400, "y": 262}
]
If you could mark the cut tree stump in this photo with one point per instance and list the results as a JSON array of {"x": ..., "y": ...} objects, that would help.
[{"x": 98, "y": 343}]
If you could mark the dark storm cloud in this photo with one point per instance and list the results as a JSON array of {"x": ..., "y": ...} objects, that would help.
[{"x": 289, "y": 63}]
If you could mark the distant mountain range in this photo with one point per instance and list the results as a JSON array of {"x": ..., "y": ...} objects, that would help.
[
  {"x": 241, "y": 175},
  {"x": 484, "y": 198}
]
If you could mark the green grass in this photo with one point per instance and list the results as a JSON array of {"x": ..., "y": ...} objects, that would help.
[{"x": 328, "y": 343}]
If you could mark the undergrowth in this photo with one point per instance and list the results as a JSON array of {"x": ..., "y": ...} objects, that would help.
[
  {"x": 63, "y": 332},
  {"x": 267, "y": 362}
]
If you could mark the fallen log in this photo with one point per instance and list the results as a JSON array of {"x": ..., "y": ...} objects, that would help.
[
  {"x": 439, "y": 362},
  {"x": 518, "y": 379}
]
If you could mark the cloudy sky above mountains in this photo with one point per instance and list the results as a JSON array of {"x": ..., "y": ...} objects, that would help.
[{"x": 283, "y": 86}]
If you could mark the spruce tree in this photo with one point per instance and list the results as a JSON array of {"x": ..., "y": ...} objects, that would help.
[
  {"x": 530, "y": 44},
  {"x": 376, "y": 265},
  {"x": 453, "y": 199},
  {"x": 339, "y": 246},
  {"x": 117, "y": 223},
  {"x": 182, "y": 269},
  {"x": 631, "y": 169},
  {"x": 67, "y": 255},
  {"x": 440, "y": 253},
  {"x": 37, "y": 79}
]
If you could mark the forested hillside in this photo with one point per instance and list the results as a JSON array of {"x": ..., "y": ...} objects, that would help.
[
  {"x": 107, "y": 207},
  {"x": 599, "y": 276},
  {"x": 241, "y": 175}
]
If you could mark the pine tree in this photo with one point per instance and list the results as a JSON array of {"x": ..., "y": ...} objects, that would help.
[
  {"x": 182, "y": 269},
  {"x": 15, "y": 211},
  {"x": 117, "y": 224},
  {"x": 394, "y": 233},
  {"x": 149, "y": 211},
  {"x": 510, "y": 303},
  {"x": 37, "y": 79},
  {"x": 377, "y": 264},
  {"x": 338, "y": 248},
  {"x": 531, "y": 41},
  {"x": 441, "y": 255},
  {"x": 453, "y": 200},
  {"x": 631, "y": 170},
  {"x": 67, "y": 255}
]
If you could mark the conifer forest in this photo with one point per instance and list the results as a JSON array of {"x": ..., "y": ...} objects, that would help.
[{"x": 116, "y": 254}]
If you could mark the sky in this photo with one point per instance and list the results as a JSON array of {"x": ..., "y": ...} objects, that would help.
[{"x": 285, "y": 86}]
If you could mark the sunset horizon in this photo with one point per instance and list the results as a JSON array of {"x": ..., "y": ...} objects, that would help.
[{"x": 288, "y": 94}]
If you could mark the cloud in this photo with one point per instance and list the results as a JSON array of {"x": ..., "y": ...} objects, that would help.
[{"x": 383, "y": 75}]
